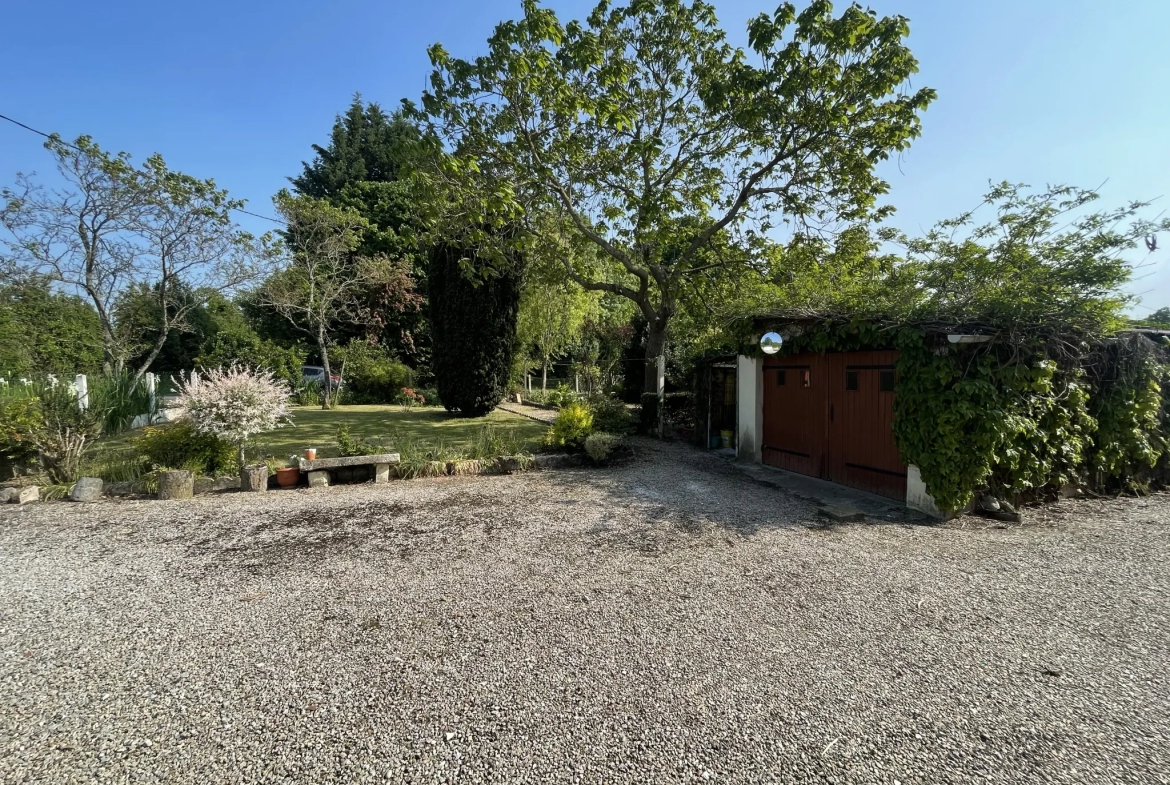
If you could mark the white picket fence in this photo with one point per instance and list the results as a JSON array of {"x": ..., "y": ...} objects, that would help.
[{"x": 80, "y": 387}]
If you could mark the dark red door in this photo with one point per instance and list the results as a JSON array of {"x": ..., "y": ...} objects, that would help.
[
  {"x": 862, "y": 453},
  {"x": 795, "y": 409}
]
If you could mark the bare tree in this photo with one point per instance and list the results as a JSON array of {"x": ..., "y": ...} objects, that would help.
[
  {"x": 80, "y": 236},
  {"x": 113, "y": 226},
  {"x": 192, "y": 246},
  {"x": 322, "y": 283}
]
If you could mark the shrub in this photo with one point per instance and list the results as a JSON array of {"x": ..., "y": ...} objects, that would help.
[
  {"x": 600, "y": 446},
  {"x": 306, "y": 394},
  {"x": 179, "y": 446},
  {"x": 562, "y": 396},
  {"x": 473, "y": 329},
  {"x": 19, "y": 418},
  {"x": 572, "y": 426},
  {"x": 64, "y": 433},
  {"x": 371, "y": 374},
  {"x": 409, "y": 397},
  {"x": 354, "y": 445},
  {"x": 611, "y": 416},
  {"x": 234, "y": 404},
  {"x": 228, "y": 349},
  {"x": 120, "y": 398}
]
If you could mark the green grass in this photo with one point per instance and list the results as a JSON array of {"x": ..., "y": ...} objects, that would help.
[{"x": 421, "y": 428}]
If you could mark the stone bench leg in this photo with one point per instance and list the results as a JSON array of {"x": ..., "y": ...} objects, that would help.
[
  {"x": 319, "y": 479},
  {"x": 381, "y": 472}
]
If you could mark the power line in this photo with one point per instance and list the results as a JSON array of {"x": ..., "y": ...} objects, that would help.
[{"x": 75, "y": 147}]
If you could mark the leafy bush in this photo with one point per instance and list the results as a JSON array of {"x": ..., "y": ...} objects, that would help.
[
  {"x": 65, "y": 432},
  {"x": 228, "y": 349},
  {"x": 493, "y": 442},
  {"x": 561, "y": 397},
  {"x": 306, "y": 394},
  {"x": 121, "y": 398},
  {"x": 180, "y": 446},
  {"x": 473, "y": 328},
  {"x": 371, "y": 374},
  {"x": 573, "y": 425},
  {"x": 234, "y": 404},
  {"x": 600, "y": 446},
  {"x": 409, "y": 398},
  {"x": 19, "y": 418},
  {"x": 611, "y": 416},
  {"x": 354, "y": 445}
]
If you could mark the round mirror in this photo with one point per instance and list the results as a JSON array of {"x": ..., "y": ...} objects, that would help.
[{"x": 771, "y": 343}]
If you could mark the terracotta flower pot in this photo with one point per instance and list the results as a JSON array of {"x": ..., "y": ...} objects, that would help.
[
  {"x": 310, "y": 454},
  {"x": 288, "y": 478}
]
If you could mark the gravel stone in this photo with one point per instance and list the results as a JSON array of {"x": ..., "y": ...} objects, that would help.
[{"x": 669, "y": 620}]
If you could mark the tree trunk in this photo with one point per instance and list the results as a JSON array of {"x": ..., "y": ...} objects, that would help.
[
  {"x": 327, "y": 392},
  {"x": 154, "y": 352},
  {"x": 655, "y": 346},
  {"x": 544, "y": 375}
]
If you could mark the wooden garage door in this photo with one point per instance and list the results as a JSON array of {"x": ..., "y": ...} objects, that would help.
[
  {"x": 795, "y": 410},
  {"x": 832, "y": 416},
  {"x": 862, "y": 452}
]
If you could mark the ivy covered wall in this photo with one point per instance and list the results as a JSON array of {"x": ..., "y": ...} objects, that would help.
[{"x": 1019, "y": 419}]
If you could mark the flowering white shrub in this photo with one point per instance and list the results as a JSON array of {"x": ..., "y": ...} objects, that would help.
[{"x": 234, "y": 404}]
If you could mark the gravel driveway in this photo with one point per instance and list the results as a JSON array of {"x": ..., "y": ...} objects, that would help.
[{"x": 666, "y": 621}]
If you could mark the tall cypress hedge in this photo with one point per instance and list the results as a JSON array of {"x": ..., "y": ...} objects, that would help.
[{"x": 473, "y": 329}]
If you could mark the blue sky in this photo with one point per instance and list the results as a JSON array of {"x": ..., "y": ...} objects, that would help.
[{"x": 1035, "y": 91}]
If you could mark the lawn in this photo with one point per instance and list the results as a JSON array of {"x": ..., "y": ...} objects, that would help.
[
  {"x": 316, "y": 427},
  {"x": 388, "y": 426}
]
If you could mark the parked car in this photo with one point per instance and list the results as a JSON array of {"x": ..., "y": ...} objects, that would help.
[{"x": 316, "y": 373}]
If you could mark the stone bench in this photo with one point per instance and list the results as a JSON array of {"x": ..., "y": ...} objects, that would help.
[{"x": 318, "y": 470}]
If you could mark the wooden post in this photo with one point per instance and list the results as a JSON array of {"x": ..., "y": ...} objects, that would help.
[
  {"x": 152, "y": 388},
  {"x": 81, "y": 384}
]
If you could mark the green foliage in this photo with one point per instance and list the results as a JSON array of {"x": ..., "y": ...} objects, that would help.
[
  {"x": 363, "y": 168},
  {"x": 350, "y": 445},
  {"x": 1131, "y": 402},
  {"x": 43, "y": 332},
  {"x": 573, "y": 425},
  {"x": 366, "y": 145},
  {"x": 658, "y": 140},
  {"x": 561, "y": 397},
  {"x": 19, "y": 419},
  {"x": 120, "y": 398},
  {"x": 371, "y": 374},
  {"x": 611, "y": 416},
  {"x": 248, "y": 350},
  {"x": 600, "y": 446},
  {"x": 64, "y": 433},
  {"x": 1160, "y": 318},
  {"x": 473, "y": 325},
  {"x": 179, "y": 446},
  {"x": 970, "y": 419}
]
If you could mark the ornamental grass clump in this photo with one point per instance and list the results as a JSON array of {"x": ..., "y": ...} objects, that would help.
[{"x": 234, "y": 404}]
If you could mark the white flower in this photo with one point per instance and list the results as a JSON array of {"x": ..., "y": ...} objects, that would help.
[{"x": 234, "y": 403}]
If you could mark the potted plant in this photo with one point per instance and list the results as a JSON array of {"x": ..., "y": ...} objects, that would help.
[{"x": 288, "y": 476}]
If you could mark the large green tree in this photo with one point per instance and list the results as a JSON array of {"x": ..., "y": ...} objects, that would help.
[
  {"x": 473, "y": 310},
  {"x": 366, "y": 145},
  {"x": 643, "y": 122},
  {"x": 364, "y": 168}
]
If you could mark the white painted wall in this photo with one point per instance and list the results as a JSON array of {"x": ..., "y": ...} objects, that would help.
[
  {"x": 916, "y": 496},
  {"x": 749, "y": 388}
]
